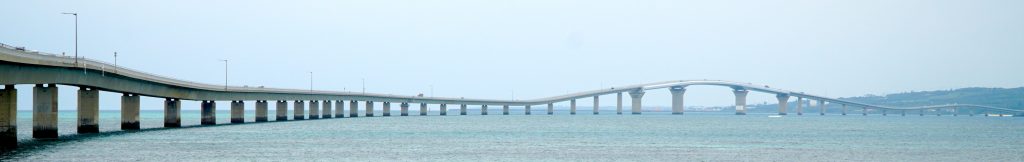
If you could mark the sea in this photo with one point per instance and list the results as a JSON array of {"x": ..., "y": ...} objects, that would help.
[{"x": 652, "y": 136}]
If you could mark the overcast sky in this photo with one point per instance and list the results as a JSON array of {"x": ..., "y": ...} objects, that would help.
[{"x": 536, "y": 48}]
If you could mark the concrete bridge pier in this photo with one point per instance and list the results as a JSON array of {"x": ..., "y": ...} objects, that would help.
[
  {"x": 741, "y": 101},
  {"x": 209, "y": 113},
  {"x": 637, "y": 98},
  {"x": 172, "y": 113},
  {"x": 618, "y": 103},
  {"x": 551, "y": 108},
  {"x": 903, "y": 112},
  {"x": 353, "y": 108},
  {"x": 597, "y": 105},
  {"x": 955, "y": 113},
  {"x": 44, "y": 111},
  {"x": 800, "y": 106},
  {"x": 783, "y": 103},
  {"x": 677, "y": 99},
  {"x": 921, "y": 112},
  {"x": 844, "y": 109},
  {"x": 387, "y": 108},
  {"x": 282, "y": 110},
  {"x": 314, "y": 109},
  {"x": 504, "y": 110},
  {"x": 404, "y": 109},
  {"x": 572, "y": 107},
  {"x": 261, "y": 110},
  {"x": 822, "y": 106},
  {"x": 8, "y": 117},
  {"x": 88, "y": 110},
  {"x": 462, "y": 109},
  {"x": 938, "y": 112},
  {"x": 369, "y": 109},
  {"x": 339, "y": 111},
  {"x": 423, "y": 109},
  {"x": 237, "y": 112},
  {"x": 885, "y": 112},
  {"x": 864, "y": 111},
  {"x": 444, "y": 109},
  {"x": 483, "y": 109},
  {"x": 526, "y": 110},
  {"x": 971, "y": 112},
  {"x": 129, "y": 111},
  {"x": 298, "y": 110},
  {"x": 326, "y": 114}
]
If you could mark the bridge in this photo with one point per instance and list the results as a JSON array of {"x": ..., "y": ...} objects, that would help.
[{"x": 45, "y": 71}]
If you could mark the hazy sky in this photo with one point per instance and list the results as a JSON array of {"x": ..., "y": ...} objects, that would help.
[{"x": 490, "y": 49}]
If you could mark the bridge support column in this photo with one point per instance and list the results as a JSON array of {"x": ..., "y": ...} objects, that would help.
[
  {"x": 298, "y": 110},
  {"x": 353, "y": 108},
  {"x": 865, "y": 111},
  {"x": 237, "y": 112},
  {"x": 572, "y": 107},
  {"x": 821, "y": 104},
  {"x": 504, "y": 110},
  {"x": 677, "y": 99},
  {"x": 800, "y": 106},
  {"x": 526, "y": 110},
  {"x": 209, "y": 113},
  {"x": 8, "y": 117},
  {"x": 44, "y": 111},
  {"x": 903, "y": 112},
  {"x": 314, "y": 109},
  {"x": 444, "y": 109},
  {"x": 844, "y": 109},
  {"x": 971, "y": 111},
  {"x": 423, "y": 109},
  {"x": 387, "y": 108},
  {"x": 938, "y": 112},
  {"x": 955, "y": 113},
  {"x": 462, "y": 109},
  {"x": 369, "y": 108},
  {"x": 404, "y": 109},
  {"x": 885, "y": 112},
  {"x": 326, "y": 114},
  {"x": 551, "y": 109},
  {"x": 597, "y": 105},
  {"x": 129, "y": 112},
  {"x": 783, "y": 103},
  {"x": 637, "y": 98},
  {"x": 282, "y": 110},
  {"x": 618, "y": 103},
  {"x": 88, "y": 110},
  {"x": 483, "y": 109},
  {"x": 921, "y": 112},
  {"x": 261, "y": 110},
  {"x": 172, "y": 113},
  {"x": 339, "y": 111},
  {"x": 741, "y": 101}
]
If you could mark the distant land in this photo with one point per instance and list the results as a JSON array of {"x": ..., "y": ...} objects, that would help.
[{"x": 1012, "y": 98}]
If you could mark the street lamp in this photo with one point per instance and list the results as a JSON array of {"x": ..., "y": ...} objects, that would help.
[
  {"x": 310, "y": 81},
  {"x": 115, "y": 62},
  {"x": 225, "y": 74},
  {"x": 76, "y": 34}
]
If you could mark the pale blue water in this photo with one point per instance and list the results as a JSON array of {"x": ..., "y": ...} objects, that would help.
[{"x": 562, "y": 137}]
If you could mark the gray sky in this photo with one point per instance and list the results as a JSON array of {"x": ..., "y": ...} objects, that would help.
[{"x": 488, "y": 49}]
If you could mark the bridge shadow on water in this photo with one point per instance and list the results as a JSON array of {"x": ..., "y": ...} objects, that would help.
[{"x": 26, "y": 147}]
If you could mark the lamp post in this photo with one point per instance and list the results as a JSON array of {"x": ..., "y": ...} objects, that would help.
[
  {"x": 115, "y": 62},
  {"x": 76, "y": 34},
  {"x": 310, "y": 81},
  {"x": 225, "y": 74}
]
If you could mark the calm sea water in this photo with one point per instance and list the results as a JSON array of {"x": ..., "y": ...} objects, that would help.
[{"x": 584, "y": 137}]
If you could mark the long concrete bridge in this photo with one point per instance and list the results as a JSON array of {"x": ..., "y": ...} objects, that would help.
[{"x": 45, "y": 71}]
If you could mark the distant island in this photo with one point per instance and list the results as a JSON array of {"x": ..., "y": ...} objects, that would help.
[{"x": 999, "y": 97}]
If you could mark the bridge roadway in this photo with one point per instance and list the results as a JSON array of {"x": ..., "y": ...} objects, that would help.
[{"x": 45, "y": 71}]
